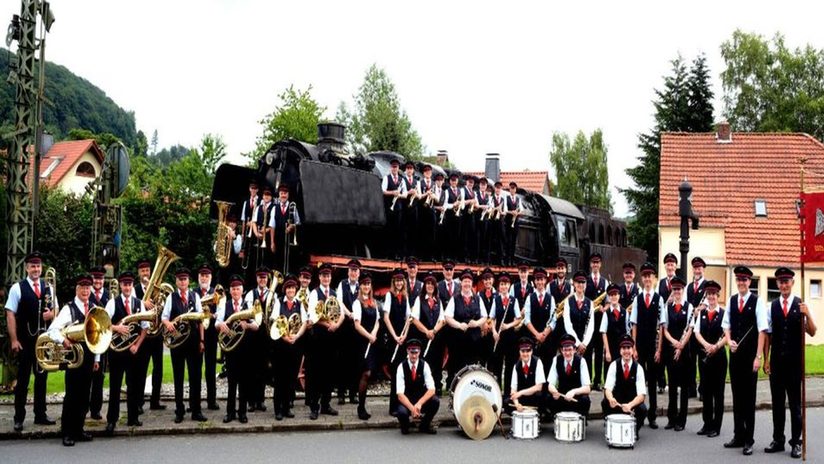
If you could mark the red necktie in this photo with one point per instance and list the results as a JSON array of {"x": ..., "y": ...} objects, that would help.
[
  {"x": 506, "y": 302},
  {"x": 489, "y": 293},
  {"x": 523, "y": 291},
  {"x": 628, "y": 289},
  {"x": 326, "y": 292},
  {"x": 289, "y": 305},
  {"x": 626, "y": 371},
  {"x": 97, "y": 294},
  {"x": 695, "y": 287},
  {"x": 740, "y": 304},
  {"x": 678, "y": 308},
  {"x": 569, "y": 369},
  {"x": 580, "y": 304},
  {"x": 261, "y": 295},
  {"x": 785, "y": 307},
  {"x": 126, "y": 304},
  {"x": 283, "y": 209},
  {"x": 647, "y": 300},
  {"x": 711, "y": 315},
  {"x": 525, "y": 369},
  {"x": 467, "y": 299},
  {"x": 37, "y": 289},
  {"x": 541, "y": 300},
  {"x": 235, "y": 303},
  {"x": 449, "y": 286},
  {"x": 86, "y": 308},
  {"x": 616, "y": 313},
  {"x": 394, "y": 179},
  {"x": 414, "y": 371},
  {"x": 183, "y": 298},
  {"x": 431, "y": 302},
  {"x": 669, "y": 285},
  {"x": 400, "y": 298}
]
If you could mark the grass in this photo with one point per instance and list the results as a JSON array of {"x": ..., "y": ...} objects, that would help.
[{"x": 814, "y": 360}]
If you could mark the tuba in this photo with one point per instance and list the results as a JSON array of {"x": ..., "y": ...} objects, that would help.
[
  {"x": 328, "y": 310},
  {"x": 122, "y": 342},
  {"x": 230, "y": 341},
  {"x": 223, "y": 243},
  {"x": 183, "y": 328},
  {"x": 156, "y": 290},
  {"x": 95, "y": 331}
]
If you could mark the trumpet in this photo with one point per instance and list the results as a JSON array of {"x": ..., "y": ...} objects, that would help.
[
  {"x": 443, "y": 215},
  {"x": 229, "y": 341},
  {"x": 282, "y": 326},
  {"x": 412, "y": 194},
  {"x": 95, "y": 331},
  {"x": 459, "y": 205},
  {"x": 183, "y": 329},
  {"x": 122, "y": 342},
  {"x": 430, "y": 198},
  {"x": 328, "y": 311},
  {"x": 214, "y": 298}
]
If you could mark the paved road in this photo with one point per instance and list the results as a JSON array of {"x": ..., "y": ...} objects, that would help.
[{"x": 388, "y": 445}]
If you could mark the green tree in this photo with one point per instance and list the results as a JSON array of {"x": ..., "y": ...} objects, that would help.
[
  {"x": 581, "y": 169},
  {"x": 295, "y": 117},
  {"x": 103, "y": 140},
  {"x": 684, "y": 104},
  {"x": 378, "y": 122},
  {"x": 768, "y": 87}
]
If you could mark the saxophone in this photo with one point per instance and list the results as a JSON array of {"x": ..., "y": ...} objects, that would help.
[{"x": 223, "y": 243}]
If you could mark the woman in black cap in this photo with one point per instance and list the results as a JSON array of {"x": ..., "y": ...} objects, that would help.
[
  {"x": 289, "y": 349},
  {"x": 712, "y": 360},
  {"x": 676, "y": 354},
  {"x": 367, "y": 325},
  {"x": 395, "y": 316},
  {"x": 428, "y": 318}
]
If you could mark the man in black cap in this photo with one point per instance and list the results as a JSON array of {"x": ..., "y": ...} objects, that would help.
[
  {"x": 787, "y": 317},
  {"x": 512, "y": 209},
  {"x": 284, "y": 222},
  {"x": 413, "y": 284},
  {"x": 677, "y": 356},
  {"x": 30, "y": 308},
  {"x": 152, "y": 347},
  {"x": 484, "y": 202},
  {"x": 465, "y": 314},
  {"x": 439, "y": 198},
  {"x": 664, "y": 285},
  {"x": 204, "y": 289},
  {"x": 448, "y": 286},
  {"x": 247, "y": 219},
  {"x": 625, "y": 385},
  {"x": 189, "y": 354},
  {"x": 695, "y": 297},
  {"x": 78, "y": 380},
  {"x": 125, "y": 363},
  {"x": 539, "y": 316},
  {"x": 497, "y": 234},
  {"x": 579, "y": 317},
  {"x": 487, "y": 297},
  {"x": 451, "y": 230},
  {"x": 348, "y": 369},
  {"x": 560, "y": 288},
  {"x": 596, "y": 286},
  {"x": 237, "y": 361},
  {"x": 628, "y": 289},
  {"x": 99, "y": 297},
  {"x": 506, "y": 316},
  {"x": 713, "y": 360},
  {"x": 321, "y": 356},
  {"x": 647, "y": 318},
  {"x": 260, "y": 343},
  {"x": 416, "y": 390},
  {"x": 745, "y": 325},
  {"x": 568, "y": 380},
  {"x": 427, "y": 219},
  {"x": 522, "y": 288},
  {"x": 528, "y": 378},
  {"x": 410, "y": 212},
  {"x": 428, "y": 317},
  {"x": 394, "y": 192},
  {"x": 614, "y": 324},
  {"x": 469, "y": 228}
]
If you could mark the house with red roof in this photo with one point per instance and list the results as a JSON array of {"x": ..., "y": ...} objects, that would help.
[
  {"x": 745, "y": 186},
  {"x": 533, "y": 181},
  {"x": 71, "y": 165}
]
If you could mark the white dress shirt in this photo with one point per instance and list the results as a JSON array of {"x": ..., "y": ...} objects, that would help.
[
  {"x": 552, "y": 379},
  {"x": 400, "y": 387},
  {"x": 640, "y": 379},
  {"x": 588, "y": 330},
  {"x": 761, "y": 317},
  {"x": 539, "y": 374}
]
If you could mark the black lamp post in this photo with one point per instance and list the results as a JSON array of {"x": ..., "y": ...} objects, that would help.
[{"x": 687, "y": 215}]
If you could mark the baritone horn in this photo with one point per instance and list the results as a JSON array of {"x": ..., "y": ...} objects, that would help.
[
  {"x": 183, "y": 327},
  {"x": 229, "y": 341},
  {"x": 122, "y": 342},
  {"x": 156, "y": 290},
  {"x": 95, "y": 331}
]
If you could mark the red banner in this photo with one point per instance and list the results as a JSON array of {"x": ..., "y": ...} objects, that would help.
[{"x": 813, "y": 227}]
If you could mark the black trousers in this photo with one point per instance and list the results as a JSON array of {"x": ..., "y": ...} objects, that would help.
[
  {"x": 260, "y": 372},
  {"x": 581, "y": 405},
  {"x": 497, "y": 239},
  {"x": 427, "y": 221},
  {"x": 743, "y": 382},
  {"x": 503, "y": 359},
  {"x": 785, "y": 384},
  {"x": 394, "y": 219},
  {"x": 597, "y": 345},
  {"x": 434, "y": 357},
  {"x": 238, "y": 379},
  {"x": 678, "y": 375},
  {"x": 469, "y": 236},
  {"x": 511, "y": 238},
  {"x": 483, "y": 239},
  {"x": 96, "y": 395},
  {"x": 348, "y": 366},
  {"x": 652, "y": 370},
  {"x": 26, "y": 362},
  {"x": 451, "y": 236},
  {"x": 153, "y": 347},
  {"x": 286, "y": 360},
  {"x": 320, "y": 368},
  {"x": 76, "y": 400},
  {"x": 210, "y": 362},
  {"x": 429, "y": 409},
  {"x": 188, "y": 357},
  {"x": 124, "y": 365},
  {"x": 713, "y": 380},
  {"x": 410, "y": 228}
]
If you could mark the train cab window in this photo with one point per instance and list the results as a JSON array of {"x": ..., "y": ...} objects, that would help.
[
  {"x": 609, "y": 235},
  {"x": 566, "y": 233},
  {"x": 601, "y": 234},
  {"x": 592, "y": 236},
  {"x": 572, "y": 233}
]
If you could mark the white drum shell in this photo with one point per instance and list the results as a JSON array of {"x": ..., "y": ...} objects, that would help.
[
  {"x": 619, "y": 430},
  {"x": 569, "y": 427},
  {"x": 472, "y": 381},
  {"x": 525, "y": 425}
]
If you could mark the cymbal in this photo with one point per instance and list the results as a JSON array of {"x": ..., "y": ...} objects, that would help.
[{"x": 477, "y": 419}]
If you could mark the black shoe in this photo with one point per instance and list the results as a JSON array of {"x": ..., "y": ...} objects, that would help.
[
  {"x": 329, "y": 411},
  {"x": 669, "y": 426},
  {"x": 660, "y": 390},
  {"x": 157, "y": 407},
  {"x": 404, "y": 430},
  {"x": 363, "y": 415},
  {"x": 429, "y": 430},
  {"x": 134, "y": 423},
  {"x": 18, "y": 426},
  {"x": 704, "y": 431},
  {"x": 109, "y": 429},
  {"x": 278, "y": 416},
  {"x": 242, "y": 418},
  {"x": 84, "y": 436},
  {"x": 288, "y": 414},
  {"x": 796, "y": 452},
  {"x": 139, "y": 410},
  {"x": 251, "y": 407},
  {"x": 653, "y": 425},
  {"x": 178, "y": 418},
  {"x": 228, "y": 418},
  {"x": 44, "y": 420},
  {"x": 199, "y": 417},
  {"x": 679, "y": 428},
  {"x": 68, "y": 441},
  {"x": 260, "y": 407},
  {"x": 774, "y": 447},
  {"x": 713, "y": 433},
  {"x": 734, "y": 443},
  {"x": 747, "y": 450},
  {"x": 96, "y": 416},
  {"x": 213, "y": 407},
  {"x": 313, "y": 415},
  {"x": 393, "y": 413}
]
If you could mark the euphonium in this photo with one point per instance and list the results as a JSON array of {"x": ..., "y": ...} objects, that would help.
[
  {"x": 95, "y": 331},
  {"x": 328, "y": 310},
  {"x": 156, "y": 291},
  {"x": 183, "y": 328},
  {"x": 230, "y": 341},
  {"x": 122, "y": 342},
  {"x": 223, "y": 243},
  {"x": 214, "y": 298}
]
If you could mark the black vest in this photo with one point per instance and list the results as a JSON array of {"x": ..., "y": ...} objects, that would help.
[
  {"x": 579, "y": 318},
  {"x": 466, "y": 313},
  {"x": 627, "y": 297},
  {"x": 559, "y": 292},
  {"x": 177, "y": 304},
  {"x": 663, "y": 289},
  {"x": 104, "y": 298},
  {"x": 740, "y": 325},
  {"x": 78, "y": 315},
  {"x": 256, "y": 295},
  {"x": 280, "y": 216},
  {"x": 397, "y": 312},
  {"x": 647, "y": 322},
  {"x": 625, "y": 390},
  {"x": 414, "y": 290},
  {"x": 229, "y": 308},
  {"x": 571, "y": 381},
  {"x": 347, "y": 296},
  {"x": 540, "y": 314},
  {"x": 391, "y": 186},
  {"x": 785, "y": 342},
  {"x": 616, "y": 328},
  {"x": 712, "y": 331},
  {"x": 249, "y": 209},
  {"x": 284, "y": 307},
  {"x": 28, "y": 309},
  {"x": 429, "y": 316},
  {"x": 522, "y": 292},
  {"x": 593, "y": 291},
  {"x": 369, "y": 316},
  {"x": 526, "y": 380},
  {"x": 693, "y": 297},
  {"x": 409, "y": 184},
  {"x": 487, "y": 301},
  {"x": 414, "y": 389},
  {"x": 677, "y": 321},
  {"x": 120, "y": 308},
  {"x": 443, "y": 291},
  {"x": 504, "y": 314},
  {"x": 512, "y": 203},
  {"x": 264, "y": 214}
]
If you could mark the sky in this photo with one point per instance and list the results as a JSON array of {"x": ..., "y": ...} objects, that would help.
[{"x": 474, "y": 77}]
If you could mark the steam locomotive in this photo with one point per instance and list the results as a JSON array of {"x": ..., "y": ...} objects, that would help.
[{"x": 340, "y": 201}]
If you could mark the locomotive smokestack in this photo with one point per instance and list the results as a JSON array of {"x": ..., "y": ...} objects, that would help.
[{"x": 331, "y": 133}]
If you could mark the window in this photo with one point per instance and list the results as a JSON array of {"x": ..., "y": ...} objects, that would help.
[
  {"x": 772, "y": 289},
  {"x": 562, "y": 232},
  {"x": 754, "y": 286},
  {"x": 601, "y": 233},
  {"x": 609, "y": 235},
  {"x": 85, "y": 169},
  {"x": 49, "y": 170},
  {"x": 760, "y": 208},
  {"x": 815, "y": 288}
]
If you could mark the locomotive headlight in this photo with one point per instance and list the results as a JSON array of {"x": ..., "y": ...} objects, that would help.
[{"x": 269, "y": 158}]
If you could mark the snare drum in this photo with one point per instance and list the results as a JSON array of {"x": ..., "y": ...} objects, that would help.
[
  {"x": 525, "y": 424},
  {"x": 569, "y": 427},
  {"x": 475, "y": 380},
  {"x": 619, "y": 430}
]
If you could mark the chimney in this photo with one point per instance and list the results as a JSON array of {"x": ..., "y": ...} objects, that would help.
[
  {"x": 723, "y": 133},
  {"x": 442, "y": 158},
  {"x": 492, "y": 171}
]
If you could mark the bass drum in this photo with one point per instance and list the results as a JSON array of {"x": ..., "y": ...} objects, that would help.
[{"x": 474, "y": 380}]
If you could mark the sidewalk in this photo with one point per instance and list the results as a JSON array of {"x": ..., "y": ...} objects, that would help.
[{"x": 162, "y": 422}]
